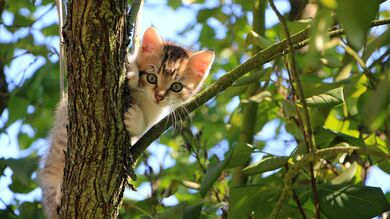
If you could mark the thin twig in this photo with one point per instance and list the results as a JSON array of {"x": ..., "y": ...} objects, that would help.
[
  {"x": 8, "y": 208},
  {"x": 299, "y": 204},
  {"x": 296, "y": 198},
  {"x": 274, "y": 51}
]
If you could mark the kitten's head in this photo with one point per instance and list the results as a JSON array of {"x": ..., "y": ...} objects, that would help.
[{"x": 169, "y": 74}]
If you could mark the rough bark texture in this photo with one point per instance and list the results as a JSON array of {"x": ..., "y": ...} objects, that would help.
[{"x": 95, "y": 38}]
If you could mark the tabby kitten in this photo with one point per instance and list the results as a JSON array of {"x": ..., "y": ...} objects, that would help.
[{"x": 161, "y": 77}]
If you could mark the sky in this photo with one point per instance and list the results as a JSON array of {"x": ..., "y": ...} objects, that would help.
[{"x": 155, "y": 13}]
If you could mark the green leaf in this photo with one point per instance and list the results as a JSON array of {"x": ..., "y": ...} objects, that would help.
[
  {"x": 21, "y": 20},
  {"x": 205, "y": 14},
  {"x": 245, "y": 199},
  {"x": 25, "y": 141},
  {"x": 173, "y": 186},
  {"x": 376, "y": 108},
  {"x": 330, "y": 98},
  {"x": 331, "y": 61},
  {"x": 254, "y": 77},
  {"x": 28, "y": 43},
  {"x": 318, "y": 38},
  {"x": 241, "y": 154},
  {"x": 173, "y": 212},
  {"x": 31, "y": 210},
  {"x": 260, "y": 97},
  {"x": 22, "y": 169},
  {"x": 355, "y": 16},
  {"x": 174, "y": 3},
  {"x": 234, "y": 91},
  {"x": 346, "y": 175},
  {"x": 293, "y": 27},
  {"x": 340, "y": 137},
  {"x": 193, "y": 211},
  {"x": 214, "y": 170},
  {"x": 355, "y": 202},
  {"x": 266, "y": 164},
  {"x": 17, "y": 108},
  {"x": 324, "y": 137},
  {"x": 51, "y": 30},
  {"x": 255, "y": 39},
  {"x": 372, "y": 46}
]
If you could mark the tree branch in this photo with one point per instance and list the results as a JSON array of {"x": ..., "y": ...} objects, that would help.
[{"x": 274, "y": 51}]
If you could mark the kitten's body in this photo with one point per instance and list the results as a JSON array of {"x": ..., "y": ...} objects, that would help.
[{"x": 161, "y": 77}]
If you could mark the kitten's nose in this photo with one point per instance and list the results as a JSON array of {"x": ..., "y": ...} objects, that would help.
[{"x": 158, "y": 97}]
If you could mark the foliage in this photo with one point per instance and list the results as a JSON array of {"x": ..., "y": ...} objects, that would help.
[{"x": 345, "y": 82}]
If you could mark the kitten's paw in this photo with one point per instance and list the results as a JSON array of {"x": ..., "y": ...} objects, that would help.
[
  {"x": 134, "y": 120},
  {"x": 132, "y": 75}
]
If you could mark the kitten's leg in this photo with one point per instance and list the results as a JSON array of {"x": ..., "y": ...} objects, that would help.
[
  {"x": 132, "y": 73},
  {"x": 134, "y": 120}
]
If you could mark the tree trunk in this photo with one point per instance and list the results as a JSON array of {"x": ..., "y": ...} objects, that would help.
[{"x": 96, "y": 40}]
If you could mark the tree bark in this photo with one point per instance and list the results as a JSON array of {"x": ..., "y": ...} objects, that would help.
[{"x": 96, "y": 39}]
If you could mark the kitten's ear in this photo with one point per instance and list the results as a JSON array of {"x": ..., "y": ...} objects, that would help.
[
  {"x": 151, "y": 41},
  {"x": 200, "y": 62}
]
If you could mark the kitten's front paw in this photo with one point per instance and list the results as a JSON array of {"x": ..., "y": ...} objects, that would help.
[
  {"x": 132, "y": 75},
  {"x": 134, "y": 120}
]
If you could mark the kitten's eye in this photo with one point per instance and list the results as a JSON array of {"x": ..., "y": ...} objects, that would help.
[
  {"x": 176, "y": 87},
  {"x": 151, "y": 78}
]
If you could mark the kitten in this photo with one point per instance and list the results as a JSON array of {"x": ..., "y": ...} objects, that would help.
[{"x": 161, "y": 76}]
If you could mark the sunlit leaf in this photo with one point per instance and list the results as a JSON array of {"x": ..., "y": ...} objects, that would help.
[
  {"x": 346, "y": 175},
  {"x": 255, "y": 39},
  {"x": 331, "y": 98}
]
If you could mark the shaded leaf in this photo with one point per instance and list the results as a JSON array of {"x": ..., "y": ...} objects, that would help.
[
  {"x": 266, "y": 164},
  {"x": 355, "y": 202},
  {"x": 245, "y": 199},
  {"x": 173, "y": 212},
  {"x": 355, "y": 16},
  {"x": 22, "y": 170},
  {"x": 214, "y": 170},
  {"x": 241, "y": 155},
  {"x": 234, "y": 91},
  {"x": 376, "y": 108},
  {"x": 254, "y": 77},
  {"x": 192, "y": 212}
]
